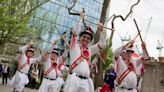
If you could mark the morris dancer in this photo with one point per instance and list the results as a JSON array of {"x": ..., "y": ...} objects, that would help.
[
  {"x": 25, "y": 59},
  {"x": 52, "y": 81},
  {"x": 79, "y": 78},
  {"x": 126, "y": 80}
]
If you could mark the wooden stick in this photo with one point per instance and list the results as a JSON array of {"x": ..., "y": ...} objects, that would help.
[
  {"x": 96, "y": 24},
  {"x": 62, "y": 36},
  {"x": 101, "y": 57},
  {"x": 78, "y": 14},
  {"x": 141, "y": 37},
  {"x": 138, "y": 30}
]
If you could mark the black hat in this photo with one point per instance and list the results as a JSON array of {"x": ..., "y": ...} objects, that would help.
[
  {"x": 30, "y": 49},
  {"x": 55, "y": 50},
  {"x": 88, "y": 31},
  {"x": 130, "y": 49}
]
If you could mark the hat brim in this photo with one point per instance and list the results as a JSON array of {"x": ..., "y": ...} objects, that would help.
[
  {"x": 86, "y": 33},
  {"x": 31, "y": 50},
  {"x": 130, "y": 51},
  {"x": 55, "y": 52}
]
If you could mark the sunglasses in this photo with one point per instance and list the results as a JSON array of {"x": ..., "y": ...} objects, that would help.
[{"x": 86, "y": 37}]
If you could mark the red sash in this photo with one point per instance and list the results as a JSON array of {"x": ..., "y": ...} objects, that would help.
[
  {"x": 124, "y": 74},
  {"x": 23, "y": 65},
  {"x": 53, "y": 67},
  {"x": 84, "y": 55},
  {"x": 120, "y": 79}
]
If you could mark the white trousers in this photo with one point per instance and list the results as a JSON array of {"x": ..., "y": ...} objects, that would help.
[
  {"x": 19, "y": 81},
  {"x": 76, "y": 84},
  {"x": 51, "y": 85}
]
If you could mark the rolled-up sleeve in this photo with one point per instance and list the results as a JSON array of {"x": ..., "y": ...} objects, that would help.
[
  {"x": 23, "y": 49},
  {"x": 76, "y": 30},
  {"x": 77, "y": 27},
  {"x": 118, "y": 52},
  {"x": 100, "y": 44},
  {"x": 63, "y": 56},
  {"x": 139, "y": 60}
]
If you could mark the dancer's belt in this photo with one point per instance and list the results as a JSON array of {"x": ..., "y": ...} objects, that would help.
[
  {"x": 125, "y": 87},
  {"x": 22, "y": 72},
  {"x": 80, "y": 76},
  {"x": 49, "y": 78}
]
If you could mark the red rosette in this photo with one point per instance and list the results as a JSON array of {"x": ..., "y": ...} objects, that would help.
[
  {"x": 85, "y": 53},
  {"x": 54, "y": 65}
]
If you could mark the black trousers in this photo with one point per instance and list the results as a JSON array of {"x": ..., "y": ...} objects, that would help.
[
  {"x": 4, "y": 78},
  {"x": 111, "y": 86}
]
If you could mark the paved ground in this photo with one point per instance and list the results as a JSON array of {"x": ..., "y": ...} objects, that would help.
[{"x": 7, "y": 88}]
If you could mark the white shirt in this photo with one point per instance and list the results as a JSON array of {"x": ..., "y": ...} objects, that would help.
[
  {"x": 47, "y": 63},
  {"x": 22, "y": 59},
  {"x": 130, "y": 81},
  {"x": 75, "y": 52}
]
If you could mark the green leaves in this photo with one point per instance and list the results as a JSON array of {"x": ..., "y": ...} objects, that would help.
[
  {"x": 109, "y": 58},
  {"x": 15, "y": 17}
]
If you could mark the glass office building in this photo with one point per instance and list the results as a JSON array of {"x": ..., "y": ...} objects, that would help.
[{"x": 56, "y": 14}]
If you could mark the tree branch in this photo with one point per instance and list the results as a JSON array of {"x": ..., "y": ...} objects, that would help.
[{"x": 31, "y": 10}]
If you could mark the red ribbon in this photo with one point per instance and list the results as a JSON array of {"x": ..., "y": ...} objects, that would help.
[{"x": 73, "y": 41}]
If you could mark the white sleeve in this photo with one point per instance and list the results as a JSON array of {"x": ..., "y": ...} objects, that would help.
[
  {"x": 49, "y": 50},
  {"x": 117, "y": 52},
  {"x": 38, "y": 59},
  {"x": 100, "y": 44},
  {"x": 23, "y": 49},
  {"x": 77, "y": 27},
  {"x": 63, "y": 56},
  {"x": 139, "y": 60},
  {"x": 142, "y": 58},
  {"x": 33, "y": 60},
  {"x": 76, "y": 30}
]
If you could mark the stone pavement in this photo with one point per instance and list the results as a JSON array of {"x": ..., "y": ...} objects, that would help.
[{"x": 8, "y": 88}]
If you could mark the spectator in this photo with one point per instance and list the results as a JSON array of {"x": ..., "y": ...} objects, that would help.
[
  {"x": 5, "y": 73},
  {"x": 34, "y": 75},
  {"x": 0, "y": 69},
  {"x": 110, "y": 76}
]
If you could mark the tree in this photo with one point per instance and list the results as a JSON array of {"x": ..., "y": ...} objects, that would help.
[
  {"x": 15, "y": 17},
  {"x": 99, "y": 76}
]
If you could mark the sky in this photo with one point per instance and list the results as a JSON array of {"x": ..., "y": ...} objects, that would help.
[{"x": 147, "y": 12}]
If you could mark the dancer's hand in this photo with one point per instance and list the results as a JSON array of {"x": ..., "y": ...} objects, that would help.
[
  {"x": 82, "y": 14},
  {"x": 55, "y": 42},
  {"x": 31, "y": 43},
  {"x": 100, "y": 26},
  {"x": 143, "y": 46}
]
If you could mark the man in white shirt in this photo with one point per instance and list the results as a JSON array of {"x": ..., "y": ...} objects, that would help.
[
  {"x": 51, "y": 60},
  {"x": 80, "y": 53},
  {"x": 126, "y": 80},
  {"x": 25, "y": 59}
]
